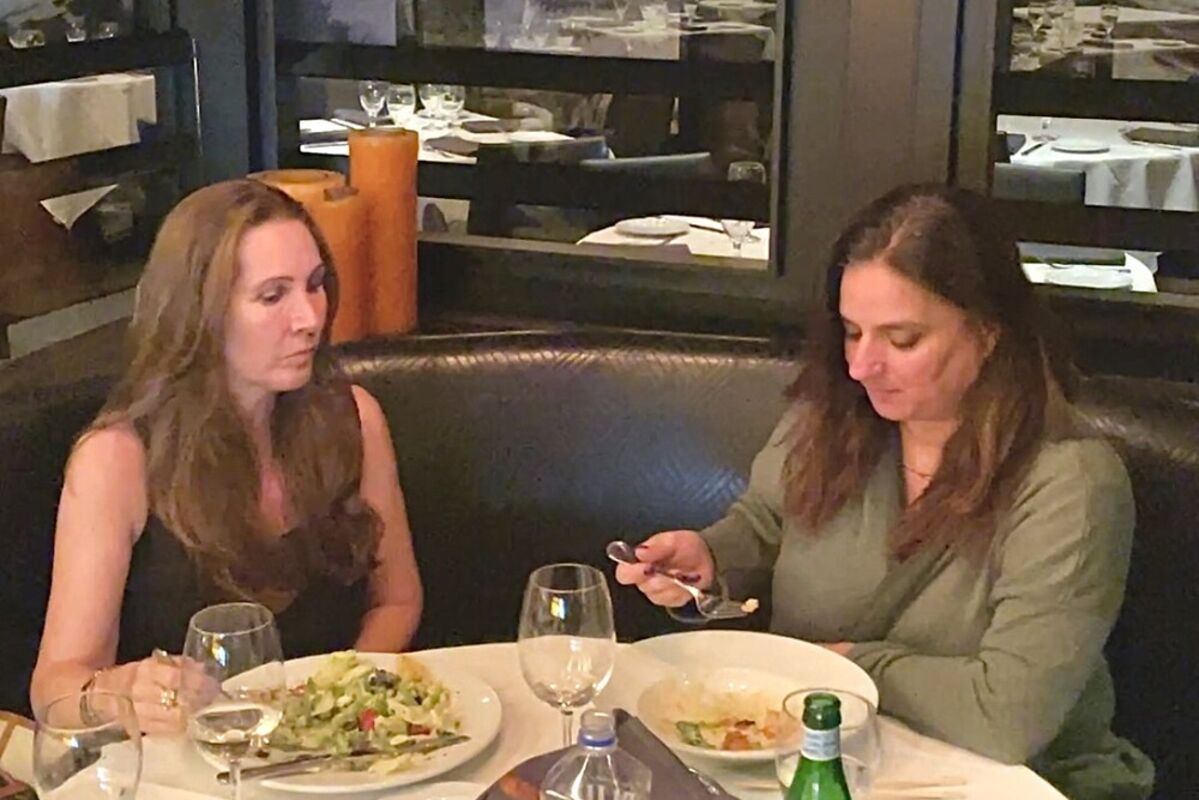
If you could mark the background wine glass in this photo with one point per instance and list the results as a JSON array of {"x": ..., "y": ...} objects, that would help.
[
  {"x": 861, "y": 746},
  {"x": 567, "y": 639},
  {"x": 739, "y": 231},
  {"x": 1109, "y": 15},
  {"x": 233, "y": 681},
  {"x": 401, "y": 103},
  {"x": 453, "y": 99},
  {"x": 372, "y": 95},
  {"x": 431, "y": 95},
  {"x": 87, "y": 745},
  {"x": 1037, "y": 10}
]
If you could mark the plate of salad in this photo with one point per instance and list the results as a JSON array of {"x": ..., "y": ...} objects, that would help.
[{"x": 370, "y": 708}]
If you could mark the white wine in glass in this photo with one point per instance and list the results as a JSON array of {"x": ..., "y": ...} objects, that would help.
[
  {"x": 567, "y": 638},
  {"x": 233, "y": 681}
]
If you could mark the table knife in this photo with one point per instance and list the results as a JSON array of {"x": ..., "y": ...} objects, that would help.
[{"x": 316, "y": 763}]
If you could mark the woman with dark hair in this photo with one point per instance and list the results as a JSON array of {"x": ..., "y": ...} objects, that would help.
[
  {"x": 929, "y": 507},
  {"x": 233, "y": 461}
]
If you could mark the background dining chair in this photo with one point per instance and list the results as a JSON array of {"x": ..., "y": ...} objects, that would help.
[
  {"x": 495, "y": 209},
  {"x": 1044, "y": 184}
]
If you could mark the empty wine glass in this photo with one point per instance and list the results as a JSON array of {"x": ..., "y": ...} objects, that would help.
[
  {"x": 372, "y": 95},
  {"x": 740, "y": 230},
  {"x": 76, "y": 29},
  {"x": 108, "y": 29},
  {"x": 567, "y": 639},
  {"x": 401, "y": 103},
  {"x": 233, "y": 683},
  {"x": 1109, "y": 15},
  {"x": 1037, "y": 10},
  {"x": 87, "y": 746},
  {"x": 453, "y": 99},
  {"x": 861, "y": 745},
  {"x": 21, "y": 36}
]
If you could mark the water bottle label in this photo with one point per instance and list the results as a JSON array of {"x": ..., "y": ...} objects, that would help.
[{"x": 821, "y": 745}]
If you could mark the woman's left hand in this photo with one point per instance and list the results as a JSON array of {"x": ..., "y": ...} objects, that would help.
[{"x": 840, "y": 648}]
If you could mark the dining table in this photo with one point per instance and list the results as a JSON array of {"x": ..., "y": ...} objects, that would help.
[
  {"x": 428, "y": 130},
  {"x": 58, "y": 119},
  {"x": 1119, "y": 171},
  {"x": 173, "y": 769},
  {"x": 704, "y": 236}
]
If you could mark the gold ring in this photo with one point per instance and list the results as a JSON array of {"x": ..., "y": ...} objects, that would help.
[{"x": 168, "y": 698}]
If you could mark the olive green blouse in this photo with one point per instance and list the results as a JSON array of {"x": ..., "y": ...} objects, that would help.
[{"x": 1001, "y": 654}]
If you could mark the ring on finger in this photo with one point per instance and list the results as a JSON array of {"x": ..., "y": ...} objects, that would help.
[{"x": 168, "y": 698}]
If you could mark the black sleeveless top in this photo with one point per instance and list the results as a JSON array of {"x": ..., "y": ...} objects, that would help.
[{"x": 165, "y": 588}]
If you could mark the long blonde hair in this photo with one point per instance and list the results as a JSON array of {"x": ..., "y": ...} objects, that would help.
[
  {"x": 203, "y": 469},
  {"x": 951, "y": 243}
]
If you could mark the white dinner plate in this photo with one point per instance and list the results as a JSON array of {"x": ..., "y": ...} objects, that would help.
[
  {"x": 442, "y": 790},
  {"x": 1079, "y": 146},
  {"x": 742, "y": 692},
  {"x": 731, "y": 655},
  {"x": 475, "y": 703},
  {"x": 652, "y": 226},
  {"x": 1088, "y": 277}
]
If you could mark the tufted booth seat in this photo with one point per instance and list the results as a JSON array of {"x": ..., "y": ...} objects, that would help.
[{"x": 524, "y": 448}]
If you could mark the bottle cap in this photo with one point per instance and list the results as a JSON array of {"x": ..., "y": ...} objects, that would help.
[
  {"x": 597, "y": 729},
  {"x": 822, "y": 711}
]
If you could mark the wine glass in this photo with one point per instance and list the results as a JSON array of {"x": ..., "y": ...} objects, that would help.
[
  {"x": 453, "y": 99},
  {"x": 861, "y": 745},
  {"x": 372, "y": 95},
  {"x": 233, "y": 683},
  {"x": 401, "y": 103},
  {"x": 76, "y": 27},
  {"x": 567, "y": 639},
  {"x": 1037, "y": 10},
  {"x": 1109, "y": 15},
  {"x": 431, "y": 96},
  {"x": 108, "y": 30},
  {"x": 87, "y": 745},
  {"x": 740, "y": 230}
]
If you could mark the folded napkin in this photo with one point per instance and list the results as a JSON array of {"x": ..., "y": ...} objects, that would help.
[
  {"x": 453, "y": 145},
  {"x": 492, "y": 125},
  {"x": 672, "y": 779}
]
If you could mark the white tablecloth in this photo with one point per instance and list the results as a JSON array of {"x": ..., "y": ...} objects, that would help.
[
  {"x": 644, "y": 40},
  {"x": 1128, "y": 174},
  {"x": 531, "y": 727},
  {"x": 706, "y": 238},
  {"x": 65, "y": 118},
  {"x": 426, "y": 129}
]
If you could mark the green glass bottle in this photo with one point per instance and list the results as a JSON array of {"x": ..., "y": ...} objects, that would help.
[{"x": 820, "y": 774}]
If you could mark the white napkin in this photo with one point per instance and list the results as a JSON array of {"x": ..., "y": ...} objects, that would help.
[{"x": 68, "y": 208}]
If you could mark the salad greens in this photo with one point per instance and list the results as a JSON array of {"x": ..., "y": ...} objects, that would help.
[{"x": 349, "y": 706}]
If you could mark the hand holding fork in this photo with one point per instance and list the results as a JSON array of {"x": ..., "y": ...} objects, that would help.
[{"x": 674, "y": 587}]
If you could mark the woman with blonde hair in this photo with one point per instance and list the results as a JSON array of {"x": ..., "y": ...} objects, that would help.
[
  {"x": 232, "y": 461},
  {"x": 929, "y": 508}
]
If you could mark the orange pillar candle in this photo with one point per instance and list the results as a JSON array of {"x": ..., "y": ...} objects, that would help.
[
  {"x": 383, "y": 170},
  {"x": 305, "y": 185},
  {"x": 341, "y": 218}
]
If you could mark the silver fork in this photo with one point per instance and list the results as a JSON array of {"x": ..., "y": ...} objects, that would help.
[{"x": 710, "y": 606}]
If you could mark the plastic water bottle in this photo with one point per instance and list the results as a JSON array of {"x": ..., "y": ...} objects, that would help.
[{"x": 597, "y": 769}]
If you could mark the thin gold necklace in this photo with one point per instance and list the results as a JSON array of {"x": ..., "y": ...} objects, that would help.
[{"x": 916, "y": 472}]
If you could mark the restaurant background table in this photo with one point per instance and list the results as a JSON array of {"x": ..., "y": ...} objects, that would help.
[
  {"x": 82, "y": 115},
  {"x": 1128, "y": 174},
  {"x": 708, "y": 240},
  {"x": 173, "y": 770},
  {"x": 426, "y": 129}
]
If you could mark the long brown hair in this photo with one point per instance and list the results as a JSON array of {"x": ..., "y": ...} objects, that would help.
[
  {"x": 203, "y": 469},
  {"x": 950, "y": 242}
]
